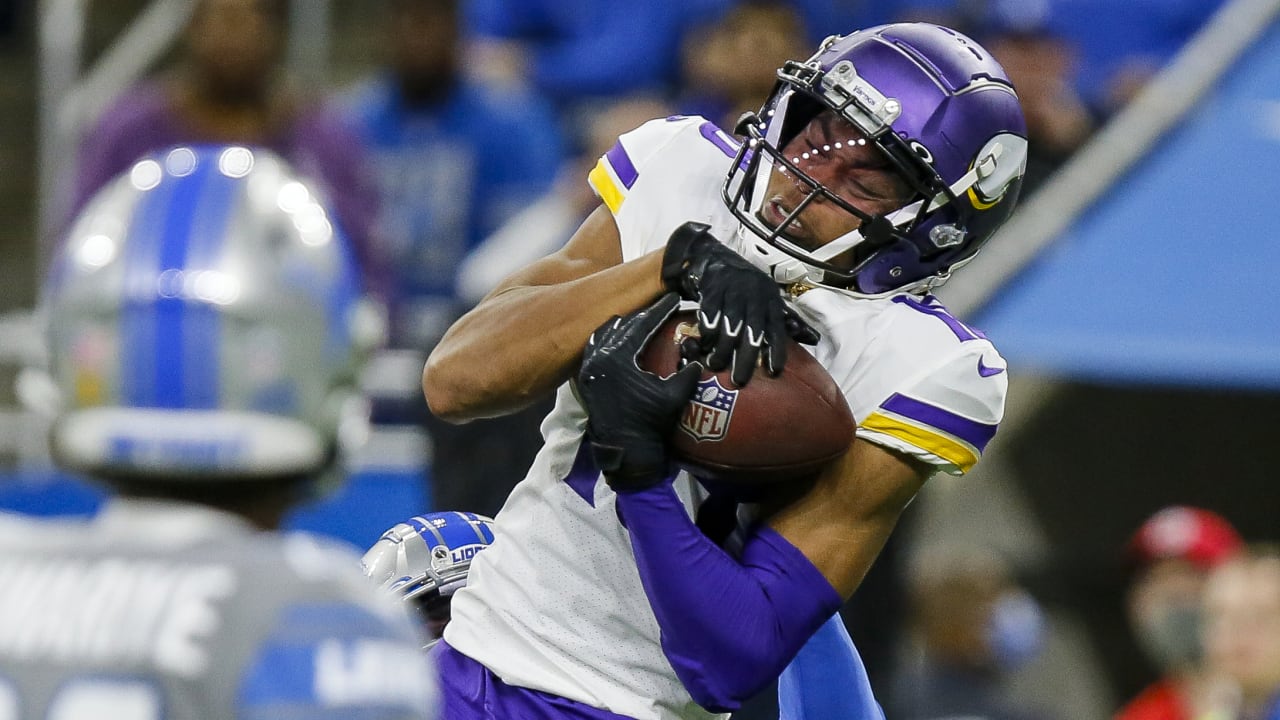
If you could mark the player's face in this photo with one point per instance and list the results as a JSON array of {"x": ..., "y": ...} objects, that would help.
[
  {"x": 234, "y": 43},
  {"x": 434, "y": 613},
  {"x": 1242, "y": 624},
  {"x": 834, "y": 153},
  {"x": 1164, "y": 605}
]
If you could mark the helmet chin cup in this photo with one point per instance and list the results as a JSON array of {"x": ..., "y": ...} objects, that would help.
[
  {"x": 783, "y": 268},
  {"x": 790, "y": 270}
]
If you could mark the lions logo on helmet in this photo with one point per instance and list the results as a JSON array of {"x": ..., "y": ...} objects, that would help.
[
  {"x": 205, "y": 324},
  {"x": 426, "y": 559},
  {"x": 941, "y": 115}
]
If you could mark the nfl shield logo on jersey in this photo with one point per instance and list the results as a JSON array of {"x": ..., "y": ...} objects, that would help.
[{"x": 707, "y": 415}]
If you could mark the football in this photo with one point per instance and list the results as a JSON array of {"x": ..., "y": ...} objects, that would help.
[{"x": 771, "y": 430}]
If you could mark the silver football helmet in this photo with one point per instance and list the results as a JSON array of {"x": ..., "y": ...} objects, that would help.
[
  {"x": 426, "y": 559},
  {"x": 204, "y": 322}
]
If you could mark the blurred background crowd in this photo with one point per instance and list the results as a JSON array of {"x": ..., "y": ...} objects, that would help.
[{"x": 452, "y": 139}]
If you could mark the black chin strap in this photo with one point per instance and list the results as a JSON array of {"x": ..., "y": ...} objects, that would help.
[{"x": 878, "y": 231}]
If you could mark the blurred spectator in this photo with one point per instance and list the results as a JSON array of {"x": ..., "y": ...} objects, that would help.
[
  {"x": 729, "y": 65},
  {"x": 1171, "y": 555},
  {"x": 1124, "y": 43},
  {"x": 973, "y": 625},
  {"x": 547, "y": 222},
  {"x": 228, "y": 87},
  {"x": 454, "y": 160},
  {"x": 1242, "y": 639},
  {"x": 582, "y": 50},
  {"x": 1024, "y": 37}
]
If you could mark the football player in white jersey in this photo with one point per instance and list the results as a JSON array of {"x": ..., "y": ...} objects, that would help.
[
  {"x": 426, "y": 559},
  {"x": 205, "y": 331},
  {"x": 875, "y": 169}
]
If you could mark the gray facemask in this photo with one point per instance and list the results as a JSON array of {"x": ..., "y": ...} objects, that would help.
[{"x": 1172, "y": 640}]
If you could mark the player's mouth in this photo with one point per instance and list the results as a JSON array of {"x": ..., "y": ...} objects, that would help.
[{"x": 775, "y": 216}]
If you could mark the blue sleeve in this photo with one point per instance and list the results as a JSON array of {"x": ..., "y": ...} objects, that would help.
[
  {"x": 336, "y": 661},
  {"x": 728, "y": 626},
  {"x": 827, "y": 680}
]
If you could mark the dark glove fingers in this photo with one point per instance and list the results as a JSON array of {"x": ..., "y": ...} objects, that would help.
[
  {"x": 750, "y": 340},
  {"x": 640, "y": 326},
  {"x": 690, "y": 350},
  {"x": 797, "y": 328},
  {"x": 602, "y": 340},
  {"x": 596, "y": 354},
  {"x": 711, "y": 306},
  {"x": 745, "y": 358},
  {"x": 726, "y": 340},
  {"x": 684, "y": 382},
  {"x": 775, "y": 354},
  {"x": 685, "y": 247}
]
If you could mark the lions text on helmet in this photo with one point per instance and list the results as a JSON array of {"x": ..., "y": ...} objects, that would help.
[{"x": 425, "y": 559}]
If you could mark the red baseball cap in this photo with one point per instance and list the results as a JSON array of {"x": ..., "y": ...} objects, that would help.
[{"x": 1198, "y": 536}]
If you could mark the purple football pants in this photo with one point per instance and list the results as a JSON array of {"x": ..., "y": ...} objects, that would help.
[{"x": 470, "y": 691}]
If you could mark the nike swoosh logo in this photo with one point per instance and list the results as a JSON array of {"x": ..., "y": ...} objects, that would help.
[{"x": 985, "y": 371}]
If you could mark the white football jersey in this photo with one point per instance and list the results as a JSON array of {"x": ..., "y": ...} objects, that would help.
[{"x": 556, "y": 603}]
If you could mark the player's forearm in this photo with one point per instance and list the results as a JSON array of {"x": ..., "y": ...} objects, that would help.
[
  {"x": 729, "y": 626},
  {"x": 844, "y": 520},
  {"x": 523, "y": 341}
]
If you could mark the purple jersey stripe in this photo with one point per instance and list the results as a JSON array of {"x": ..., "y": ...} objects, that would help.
[
  {"x": 931, "y": 306},
  {"x": 584, "y": 474},
  {"x": 621, "y": 162},
  {"x": 718, "y": 138},
  {"x": 975, "y": 433}
]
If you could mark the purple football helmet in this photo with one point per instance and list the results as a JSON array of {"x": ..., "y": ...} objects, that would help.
[{"x": 945, "y": 119}]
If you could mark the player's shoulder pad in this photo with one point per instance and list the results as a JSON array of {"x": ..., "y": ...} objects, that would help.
[
  {"x": 651, "y": 152},
  {"x": 950, "y": 405}
]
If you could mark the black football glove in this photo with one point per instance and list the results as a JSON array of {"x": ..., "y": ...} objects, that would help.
[
  {"x": 741, "y": 312},
  {"x": 631, "y": 412}
]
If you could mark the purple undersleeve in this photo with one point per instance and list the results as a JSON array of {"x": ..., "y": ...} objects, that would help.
[{"x": 729, "y": 626}]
